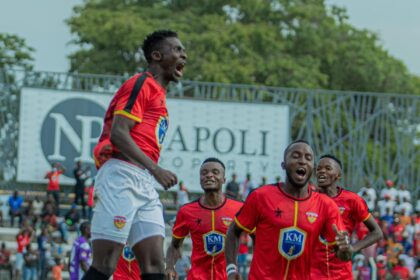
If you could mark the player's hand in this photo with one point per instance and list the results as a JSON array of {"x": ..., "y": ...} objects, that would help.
[
  {"x": 170, "y": 274},
  {"x": 165, "y": 177},
  {"x": 344, "y": 248},
  {"x": 235, "y": 276}
]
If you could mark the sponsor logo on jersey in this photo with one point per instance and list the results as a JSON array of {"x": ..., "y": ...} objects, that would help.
[
  {"x": 214, "y": 243},
  {"x": 161, "y": 129},
  {"x": 227, "y": 221},
  {"x": 292, "y": 242},
  {"x": 119, "y": 222},
  {"x": 127, "y": 254},
  {"x": 311, "y": 217}
]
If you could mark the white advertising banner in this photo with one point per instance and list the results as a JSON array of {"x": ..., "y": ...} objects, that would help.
[{"x": 64, "y": 126}]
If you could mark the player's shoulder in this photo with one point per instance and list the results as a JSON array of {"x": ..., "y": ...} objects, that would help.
[
  {"x": 234, "y": 202},
  {"x": 350, "y": 194},
  {"x": 323, "y": 198},
  {"x": 190, "y": 205},
  {"x": 265, "y": 189}
]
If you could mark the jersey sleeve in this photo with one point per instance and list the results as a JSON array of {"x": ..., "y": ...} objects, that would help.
[
  {"x": 247, "y": 216},
  {"x": 360, "y": 209},
  {"x": 181, "y": 229},
  {"x": 132, "y": 100},
  {"x": 84, "y": 252},
  {"x": 333, "y": 218}
]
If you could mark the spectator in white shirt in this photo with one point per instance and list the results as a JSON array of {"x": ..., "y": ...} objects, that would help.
[
  {"x": 406, "y": 205},
  {"x": 404, "y": 193},
  {"x": 385, "y": 204},
  {"x": 389, "y": 190},
  {"x": 369, "y": 195}
]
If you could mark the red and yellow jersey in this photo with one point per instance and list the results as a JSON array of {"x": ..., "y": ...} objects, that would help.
[
  {"x": 207, "y": 227},
  {"x": 127, "y": 266},
  {"x": 286, "y": 230},
  {"x": 353, "y": 210},
  {"x": 54, "y": 180},
  {"x": 142, "y": 100}
]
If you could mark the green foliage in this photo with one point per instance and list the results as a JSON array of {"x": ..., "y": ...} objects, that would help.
[
  {"x": 275, "y": 43},
  {"x": 14, "y": 53}
]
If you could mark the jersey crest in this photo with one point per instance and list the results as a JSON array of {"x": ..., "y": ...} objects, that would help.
[
  {"x": 292, "y": 242},
  {"x": 312, "y": 216},
  {"x": 214, "y": 243},
  {"x": 127, "y": 254},
  {"x": 342, "y": 209},
  {"x": 161, "y": 129},
  {"x": 227, "y": 221}
]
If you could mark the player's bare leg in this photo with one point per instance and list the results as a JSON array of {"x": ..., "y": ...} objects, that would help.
[
  {"x": 149, "y": 255},
  {"x": 105, "y": 258}
]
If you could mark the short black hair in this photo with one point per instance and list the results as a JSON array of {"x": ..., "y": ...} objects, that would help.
[
  {"x": 153, "y": 40},
  {"x": 294, "y": 142},
  {"x": 213, "y": 159},
  {"x": 83, "y": 226},
  {"x": 333, "y": 158}
]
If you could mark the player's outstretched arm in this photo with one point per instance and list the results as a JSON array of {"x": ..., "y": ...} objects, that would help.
[
  {"x": 172, "y": 255},
  {"x": 121, "y": 138},
  {"x": 231, "y": 251},
  {"x": 375, "y": 234}
]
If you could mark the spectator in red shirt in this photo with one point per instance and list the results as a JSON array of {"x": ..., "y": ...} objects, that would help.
[
  {"x": 5, "y": 259},
  {"x": 53, "y": 177},
  {"x": 23, "y": 238},
  {"x": 242, "y": 254},
  {"x": 400, "y": 271},
  {"x": 397, "y": 229}
]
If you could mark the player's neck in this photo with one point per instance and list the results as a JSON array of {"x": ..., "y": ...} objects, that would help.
[
  {"x": 212, "y": 199},
  {"x": 297, "y": 192},
  {"x": 156, "y": 72},
  {"x": 331, "y": 190}
]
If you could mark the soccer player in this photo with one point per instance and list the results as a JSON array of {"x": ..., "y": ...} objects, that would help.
[
  {"x": 287, "y": 219},
  {"x": 128, "y": 208},
  {"x": 353, "y": 211},
  {"x": 206, "y": 220},
  {"x": 81, "y": 253}
]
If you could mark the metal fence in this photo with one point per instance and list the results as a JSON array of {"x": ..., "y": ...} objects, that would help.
[{"x": 376, "y": 135}]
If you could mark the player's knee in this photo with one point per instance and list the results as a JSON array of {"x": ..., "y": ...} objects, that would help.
[
  {"x": 155, "y": 264},
  {"x": 106, "y": 266}
]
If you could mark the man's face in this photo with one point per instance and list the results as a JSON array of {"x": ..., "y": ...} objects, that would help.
[
  {"x": 327, "y": 172},
  {"x": 212, "y": 176},
  {"x": 173, "y": 59},
  {"x": 299, "y": 164}
]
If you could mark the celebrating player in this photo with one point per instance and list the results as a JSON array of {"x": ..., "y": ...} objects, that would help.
[
  {"x": 353, "y": 211},
  {"x": 206, "y": 220},
  {"x": 128, "y": 208},
  {"x": 287, "y": 219}
]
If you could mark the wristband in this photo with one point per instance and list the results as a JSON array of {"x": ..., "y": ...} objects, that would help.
[{"x": 231, "y": 268}]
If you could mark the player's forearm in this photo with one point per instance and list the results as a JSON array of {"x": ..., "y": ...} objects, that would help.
[
  {"x": 172, "y": 255},
  {"x": 232, "y": 244},
  {"x": 371, "y": 238}
]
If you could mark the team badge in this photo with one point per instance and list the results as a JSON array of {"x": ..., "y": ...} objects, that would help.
[
  {"x": 119, "y": 222},
  {"x": 161, "y": 129},
  {"x": 342, "y": 209},
  {"x": 311, "y": 217},
  {"x": 127, "y": 254},
  {"x": 214, "y": 243},
  {"x": 227, "y": 221},
  {"x": 292, "y": 242}
]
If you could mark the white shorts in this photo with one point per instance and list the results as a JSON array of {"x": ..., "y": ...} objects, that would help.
[{"x": 127, "y": 205}]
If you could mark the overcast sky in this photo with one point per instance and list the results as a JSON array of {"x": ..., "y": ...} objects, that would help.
[{"x": 41, "y": 23}]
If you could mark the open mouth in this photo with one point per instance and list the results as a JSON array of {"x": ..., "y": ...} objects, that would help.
[
  {"x": 321, "y": 178},
  {"x": 301, "y": 172},
  {"x": 179, "y": 69}
]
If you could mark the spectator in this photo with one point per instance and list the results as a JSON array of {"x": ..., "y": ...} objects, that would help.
[
  {"x": 381, "y": 266},
  {"x": 404, "y": 218},
  {"x": 397, "y": 229},
  {"x": 247, "y": 186},
  {"x": 5, "y": 260},
  {"x": 364, "y": 271},
  {"x": 409, "y": 261},
  {"x": 57, "y": 269},
  {"x": 386, "y": 206},
  {"x": 389, "y": 190},
  {"x": 243, "y": 251},
  {"x": 405, "y": 206},
  {"x": 50, "y": 201},
  {"x": 38, "y": 205},
  {"x": 232, "y": 188},
  {"x": 369, "y": 195},
  {"x": 404, "y": 194},
  {"x": 15, "y": 205},
  {"x": 181, "y": 195},
  {"x": 182, "y": 267},
  {"x": 53, "y": 177},
  {"x": 91, "y": 201},
  {"x": 49, "y": 220},
  {"x": 400, "y": 271},
  {"x": 29, "y": 214},
  {"x": 42, "y": 241},
  {"x": 23, "y": 238},
  {"x": 72, "y": 219},
  {"x": 80, "y": 258},
  {"x": 31, "y": 259},
  {"x": 81, "y": 175},
  {"x": 263, "y": 181}
]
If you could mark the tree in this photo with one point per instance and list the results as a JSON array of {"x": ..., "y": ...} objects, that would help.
[{"x": 14, "y": 53}]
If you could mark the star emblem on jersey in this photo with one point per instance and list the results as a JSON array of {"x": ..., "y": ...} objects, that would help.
[
  {"x": 119, "y": 222},
  {"x": 311, "y": 217},
  {"x": 227, "y": 221},
  {"x": 342, "y": 209},
  {"x": 198, "y": 221},
  {"x": 278, "y": 212},
  {"x": 214, "y": 243},
  {"x": 292, "y": 242}
]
